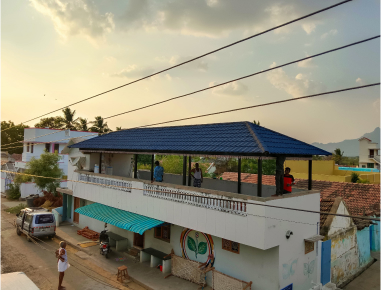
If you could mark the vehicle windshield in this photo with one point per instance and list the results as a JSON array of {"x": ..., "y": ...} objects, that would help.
[{"x": 44, "y": 219}]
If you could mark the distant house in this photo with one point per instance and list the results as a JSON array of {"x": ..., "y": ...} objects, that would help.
[
  {"x": 40, "y": 140},
  {"x": 369, "y": 156},
  {"x": 350, "y": 241}
]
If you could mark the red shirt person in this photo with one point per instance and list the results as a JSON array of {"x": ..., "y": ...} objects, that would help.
[{"x": 288, "y": 181}]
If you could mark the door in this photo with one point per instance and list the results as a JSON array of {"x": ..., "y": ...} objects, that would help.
[
  {"x": 27, "y": 222},
  {"x": 325, "y": 262},
  {"x": 77, "y": 202},
  {"x": 371, "y": 153},
  {"x": 139, "y": 240}
]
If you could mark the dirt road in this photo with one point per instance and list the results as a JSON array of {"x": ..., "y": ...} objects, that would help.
[{"x": 39, "y": 263}]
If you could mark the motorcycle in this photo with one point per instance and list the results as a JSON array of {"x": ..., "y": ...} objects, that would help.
[{"x": 104, "y": 242}]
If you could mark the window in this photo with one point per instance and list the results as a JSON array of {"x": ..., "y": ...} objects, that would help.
[
  {"x": 163, "y": 233},
  {"x": 47, "y": 147},
  {"x": 230, "y": 246},
  {"x": 370, "y": 165},
  {"x": 28, "y": 219},
  {"x": 31, "y": 148},
  {"x": 308, "y": 247},
  {"x": 27, "y": 147},
  {"x": 363, "y": 166},
  {"x": 44, "y": 219},
  {"x": 56, "y": 148}
]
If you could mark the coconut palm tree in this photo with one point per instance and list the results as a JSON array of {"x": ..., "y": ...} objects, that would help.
[
  {"x": 99, "y": 125},
  {"x": 69, "y": 123},
  {"x": 338, "y": 155},
  {"x": 118, "y": 128},
  {"x": 82, "y": 124}
]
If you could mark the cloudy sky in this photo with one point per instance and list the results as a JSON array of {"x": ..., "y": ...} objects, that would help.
[{"x": 56, "y": 52}]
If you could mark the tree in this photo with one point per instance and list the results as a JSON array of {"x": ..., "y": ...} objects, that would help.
[
  {"x": 99, "y": 125},
  {"x": 69, "y": 123},
  {"x": 118, "y": 128},
  {"x": 46, "y": 165},
  {"x": 82, "y": 124},
  {"x": 14, "y": 134},
  {"x": 51, "y": 122},
  {"x": 257, "y": 123},
  {"x": 338, "y": 155}
]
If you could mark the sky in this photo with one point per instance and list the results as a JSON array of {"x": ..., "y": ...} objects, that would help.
[{"x": 56, "y": 52}]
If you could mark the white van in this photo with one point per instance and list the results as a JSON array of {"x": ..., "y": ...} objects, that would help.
[{"x": 36, "y": 222}]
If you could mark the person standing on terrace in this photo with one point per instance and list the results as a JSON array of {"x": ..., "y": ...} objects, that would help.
[
  {"x": 197, "y": 176},
  {"x": 288, "y": 181},
  {"x": 158, "y": 173}
]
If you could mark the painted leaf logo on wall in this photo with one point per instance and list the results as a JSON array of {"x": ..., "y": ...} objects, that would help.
[
  {"x": 202, "y": 247},
  {"x": 196, "y": 247}
]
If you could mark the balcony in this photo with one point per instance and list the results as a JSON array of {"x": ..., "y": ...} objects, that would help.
[{"x": 243, "y": 218}]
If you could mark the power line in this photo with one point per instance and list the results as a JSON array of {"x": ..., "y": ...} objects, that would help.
[
  {"x": 192, "y": 195},
  {"x": 256, "y": 106},
  {"x": 195, "y": 58},
  {"x": 247, "y": 76},
  {"x": 234, "y": 110}
]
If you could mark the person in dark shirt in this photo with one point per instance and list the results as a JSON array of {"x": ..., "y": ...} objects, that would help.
[{"x": 288, "y": 181}]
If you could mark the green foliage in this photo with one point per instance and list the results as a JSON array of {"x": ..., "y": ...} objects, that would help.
[
  {"x": 338, "y": 155},
  {"x": 257, "y": 123},
  {"x": 14, "y": 191},
  {"x": 16, "y": 209},
  {"x": 172, "y": 164},
  {"x": 51, "y": 122},
  {"x": 82, "y": 124},
  {"x": 317, "y": 157},
  {"x": 355, "y": 177},
  {"x": 366, "y": 181},
  {"x": 46, "y": 165},
  {"x": 118, "y": 128},
  {"x": 69, "y": 123},
  {"x": 12, "y": 135},
  {"x": 144, "y": 159},
  {"x": 100, "y": 125},
  {"x": 191, "y": 244}
]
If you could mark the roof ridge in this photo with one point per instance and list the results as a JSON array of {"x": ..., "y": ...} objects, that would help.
[{"x": 255, "y": 137}]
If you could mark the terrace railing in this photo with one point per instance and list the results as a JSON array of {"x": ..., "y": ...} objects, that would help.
[
  {"x": 196, "y": 199},
  {"x": 106, "y": 182}
]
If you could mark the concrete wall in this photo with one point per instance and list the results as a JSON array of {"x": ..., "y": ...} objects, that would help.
[
  {"x": 121, "y": 163},
  {"x": 322, "y": 167},
  {"x": 217, "y": 184},
  {"x": 364, "y": 146},
  {"x": 375, "y": 237},
  {"x": 363, "y": 243}
]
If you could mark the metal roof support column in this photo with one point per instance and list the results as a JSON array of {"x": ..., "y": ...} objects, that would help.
[
  {"x": 189, "y": 171},
  {"x": 239, "y": 175},
  {"x": 136, "y": 166},
  {"x": 152, "y": 161},
  {"x": 309, "y": 174},
  {"x": 184, "y": 170},
  {"x": 259, "y": 182},
  {"x": 100, "y": 162},
  {"x": 279, "y": 174}
]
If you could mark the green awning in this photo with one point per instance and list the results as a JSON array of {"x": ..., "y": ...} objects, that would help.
[{"x": 120, "y": 218}]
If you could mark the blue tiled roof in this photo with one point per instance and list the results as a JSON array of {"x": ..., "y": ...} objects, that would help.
[
  {"x": 120, "y": 218},
  {"x": 238, "y": 138}
]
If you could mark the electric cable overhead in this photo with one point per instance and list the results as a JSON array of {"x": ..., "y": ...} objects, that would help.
[
  {"x": 247, "y": 76},
  {"x": 193, "y": 195},
  {"x": 193, "y": 59},
  {"x": 230, "y": 81},
  {"x": 231, "y": 110}
]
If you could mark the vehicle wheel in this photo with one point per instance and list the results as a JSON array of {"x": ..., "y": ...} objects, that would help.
[
  {"x": 106, "y": 255},
  {"x": 18, "y": 231}
]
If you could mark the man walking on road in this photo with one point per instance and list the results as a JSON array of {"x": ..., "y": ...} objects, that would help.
[{"x": 63, "y": 264}]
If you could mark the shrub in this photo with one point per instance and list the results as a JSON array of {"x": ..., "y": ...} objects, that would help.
[
  {"x": 16, "y": 209},
  {"x": 14, "y": 191},
  {"x": 355, "y": 177},
  {"x": 363, "y": 181}
]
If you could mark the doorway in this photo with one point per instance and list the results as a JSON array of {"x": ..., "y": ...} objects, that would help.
[
  {"x": 139, "y": 241},
  {"x": 77, "y": 202}
]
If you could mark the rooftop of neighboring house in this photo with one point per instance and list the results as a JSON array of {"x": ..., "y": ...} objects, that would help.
[
  {"x": 17, "y": 157},
  {"x": 360, "y": 199}
]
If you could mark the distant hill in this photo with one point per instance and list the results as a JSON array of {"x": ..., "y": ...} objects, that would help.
[{"x": 350, "y": 147}]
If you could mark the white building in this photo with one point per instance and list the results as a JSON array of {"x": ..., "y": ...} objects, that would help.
[
  {"x": 240, "y": 235},
  {"x": 369, "y": 156},
  {"x": 37, "y": 141}
]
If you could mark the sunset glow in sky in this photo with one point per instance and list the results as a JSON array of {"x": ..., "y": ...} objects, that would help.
[{"x": 56, "y": 52}]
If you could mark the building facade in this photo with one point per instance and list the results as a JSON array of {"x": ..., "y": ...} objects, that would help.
[{"x": 369, "y": 156}]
